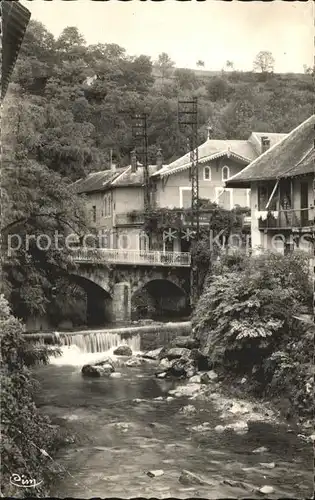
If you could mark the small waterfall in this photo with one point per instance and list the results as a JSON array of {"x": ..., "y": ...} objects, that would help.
[{"x": 80, "y": 349}]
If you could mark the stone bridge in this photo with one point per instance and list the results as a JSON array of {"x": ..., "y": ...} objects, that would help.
[{"x": 112, "y": 286}]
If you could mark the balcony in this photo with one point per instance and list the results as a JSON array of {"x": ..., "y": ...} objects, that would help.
[
  {"x": 132, "y": 257},
  {"x": 183, "y": 217},
  {"x": 129, "y": 219},
  {"x": 294, "y": 220}
]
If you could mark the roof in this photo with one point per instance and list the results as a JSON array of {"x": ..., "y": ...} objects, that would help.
[
  {"x": 243, "y": 151},
  {"x": 256, "y": 137},
  {"x": 96, "y": 181},
  {"x": 128, "y": 178},
  {"x": 292, "y": 156},
  {"x": 105, "y": 179},
  {"x": 15, "y": 19}
]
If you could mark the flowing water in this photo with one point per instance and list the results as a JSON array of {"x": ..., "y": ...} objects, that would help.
[{"x": 126, "y": 426}]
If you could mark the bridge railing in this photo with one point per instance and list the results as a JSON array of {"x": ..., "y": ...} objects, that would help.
[{"x": 151, "y": 257}]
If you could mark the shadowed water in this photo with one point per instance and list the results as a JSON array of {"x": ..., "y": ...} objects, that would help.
[{"x": 123, "y": 431}]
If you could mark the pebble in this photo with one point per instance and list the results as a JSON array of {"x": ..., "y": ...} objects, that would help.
[
  {"x": 262, "y": 449},
  {"x": 270, "y": 465},
  {"x": 266, "y": 490},
  {"x": 155, "y": 473},
  {"x": 219, "y": 429}
]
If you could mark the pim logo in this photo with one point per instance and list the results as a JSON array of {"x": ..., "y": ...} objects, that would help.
[{"x": 23, "y": 482}]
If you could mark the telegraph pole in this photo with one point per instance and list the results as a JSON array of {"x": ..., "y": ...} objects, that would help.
[
  {"x": 140, "y": 135},
  {"x": 188, "y": 122}
]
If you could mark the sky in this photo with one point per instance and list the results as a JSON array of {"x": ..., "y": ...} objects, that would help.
[{"x": 213, "y": 31}]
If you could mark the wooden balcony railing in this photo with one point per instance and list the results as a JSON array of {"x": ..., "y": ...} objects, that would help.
[
  {"x": 289, "y": 219},
  {"x": 137, "y": 257}
]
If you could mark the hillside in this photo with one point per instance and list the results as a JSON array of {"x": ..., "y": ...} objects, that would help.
[{"x": 79, "y": 122}]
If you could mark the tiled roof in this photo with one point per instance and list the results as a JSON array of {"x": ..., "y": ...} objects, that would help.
[
  {"x": 243, "y": 151},
  {"x": 96, "y": 181},
  {"x": 212, "y": 149},
  {"x": 291, "y": 156},
  {"x": 128, "y": 178},
  {"x": 306, "y": 166},
  {"x": 256, "y": 138}
]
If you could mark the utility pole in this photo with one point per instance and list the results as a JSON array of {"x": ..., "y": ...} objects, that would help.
[
  {"x": 188, "y": 122},
  {"x": 140, "y": 135}
]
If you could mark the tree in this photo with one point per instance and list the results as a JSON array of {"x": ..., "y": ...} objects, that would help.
[
  {"x": 230, "y": 65},
  {"x": 186, "y": 79},
  {"x": 264, "y": 62},
  {"x": 69, "y": 38},
  {"x": 200, "y": 63},
  {"x": 164, "y": 64},
  {"x": 218, "y": 88},
  {"x": 308, "y": 70}
]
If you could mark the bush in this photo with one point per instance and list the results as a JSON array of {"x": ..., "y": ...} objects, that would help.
[
  {"x": 247, "y": 308},
  {"x": 27, "y": 435},
  {"x": 245, "y": 321}
]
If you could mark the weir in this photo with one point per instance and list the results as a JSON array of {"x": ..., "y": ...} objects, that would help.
[
  {"x": 81, "y": 347},
  {"x": 100, "y": 341}
]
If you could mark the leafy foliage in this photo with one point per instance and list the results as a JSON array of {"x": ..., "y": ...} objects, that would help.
[
  {"x": 27, "y": 435},
  {"x": 243, "y": 313},
  {"x": 247, "y": 316}
]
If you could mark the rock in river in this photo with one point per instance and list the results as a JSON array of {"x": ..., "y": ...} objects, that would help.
[
  {"x": 155, "y": 473},
  {"x": 155, "y": 354},
  {"x": 188, "y": 478},
  {"x": 123, "y": 350},
  {"x": 135, "y": 362},
  {"x": 101, "y": 369},
  {"x": 178, "y": 368},
  {"x": 177, "y": 352},
  {"x": 186, "y": 342}
]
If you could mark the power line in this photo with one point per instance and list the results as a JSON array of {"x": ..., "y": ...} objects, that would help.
[
  {"x": 140, "y": 135},
  {"x": 188, "y": 122}
]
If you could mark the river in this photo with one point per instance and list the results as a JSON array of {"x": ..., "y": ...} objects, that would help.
[{"x": 126, "y": 426}]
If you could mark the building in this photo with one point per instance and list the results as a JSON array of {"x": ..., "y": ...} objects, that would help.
[
  {"x": 281, "y": 181},
  {"x": 115, "y": 198}
]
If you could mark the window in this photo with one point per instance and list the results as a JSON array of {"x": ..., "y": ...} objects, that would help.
[
  {"x": 168, "y": 245},
  {"x": 143, "y": 242},
  {"x": 184, "y": 197},
  {"x": 107, "y": 205},
  {"x": 94, "y": 213},
  {"x": 224, "y": 197},
  {"x": 207, "y": 174},
  {"x": 264, "y": 193},
  {"x": 225, "y": 173}
]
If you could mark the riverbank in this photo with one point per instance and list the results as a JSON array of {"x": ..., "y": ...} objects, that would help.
[{"x": 138, "y": 435}]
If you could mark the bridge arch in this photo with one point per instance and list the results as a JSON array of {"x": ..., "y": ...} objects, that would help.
[
  {"x": 158, "y": 298},
  {"x": 98, "y": 300}
]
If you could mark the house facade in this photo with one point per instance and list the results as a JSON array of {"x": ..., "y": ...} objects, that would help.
[
  {"x": 282, "y": 192},
  {"x": 115, "y": 198}
]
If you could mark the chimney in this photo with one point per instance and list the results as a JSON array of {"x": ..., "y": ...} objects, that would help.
[
  {"x": 112, "y": 165},
  {"x": 133, "y": 161},
  {"x": 209, "y": 132},
  {"x": 159, "y": 159},
  {"x": 265, "y": 144}
]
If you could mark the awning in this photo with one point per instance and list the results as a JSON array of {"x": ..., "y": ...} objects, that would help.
[{"x": 15, "y": 19}]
